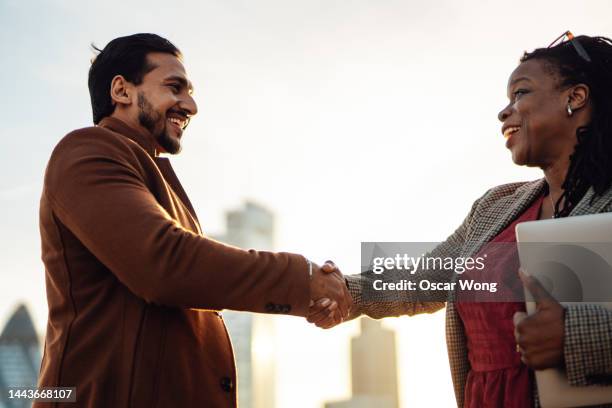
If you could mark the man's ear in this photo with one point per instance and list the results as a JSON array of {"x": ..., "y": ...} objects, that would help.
[
  {"x": 578, "y": 96},
  {"x": 121, "y": 91}
]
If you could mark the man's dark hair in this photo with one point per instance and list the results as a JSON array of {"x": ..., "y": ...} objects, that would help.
[
  {"x": 591, "y": 162},
  {"x": 126, "y": 56}
]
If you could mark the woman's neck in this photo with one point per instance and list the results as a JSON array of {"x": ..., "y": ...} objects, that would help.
[{"x": 555, "y": 176}]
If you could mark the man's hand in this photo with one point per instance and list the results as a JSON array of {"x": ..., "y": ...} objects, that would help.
[
  {"x": 540, "y": 336},
  {"x": 327, "y": 312}
]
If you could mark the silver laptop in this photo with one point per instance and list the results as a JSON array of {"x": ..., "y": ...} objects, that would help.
[{"x": 572, "y": 258}]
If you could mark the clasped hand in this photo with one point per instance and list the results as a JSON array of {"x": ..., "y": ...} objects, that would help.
[
  {"x": 330, "y": 302},
  {"x": 540, "y": 336}
]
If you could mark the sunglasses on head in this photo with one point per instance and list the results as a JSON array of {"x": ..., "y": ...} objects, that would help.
[{"x": 568, "y": 36}]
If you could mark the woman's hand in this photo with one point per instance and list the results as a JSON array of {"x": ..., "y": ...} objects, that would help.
[{"x": 540, "y": 336}]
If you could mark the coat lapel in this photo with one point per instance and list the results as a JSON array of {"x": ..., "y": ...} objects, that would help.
[
  {"x": 501, "y": 213},
  {"x": 598, "y": 204},
  {"x": 145, "y": 141},
  {"x": 163, "y": 164}
]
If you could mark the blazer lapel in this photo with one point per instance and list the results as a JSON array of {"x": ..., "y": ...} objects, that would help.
[
  {"x": 502, "y": 212},
  {"x": 598, "y": 205}
]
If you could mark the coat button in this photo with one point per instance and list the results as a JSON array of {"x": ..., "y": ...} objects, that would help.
[
  {"x": 270, "y": 307},
  {"x": 227, "y": 384}
]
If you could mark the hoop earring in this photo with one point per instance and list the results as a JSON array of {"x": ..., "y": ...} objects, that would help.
[{"x": 569, "y": 110}]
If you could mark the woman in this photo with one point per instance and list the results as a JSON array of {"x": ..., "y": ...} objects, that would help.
[{"x": 559, "y": 118}]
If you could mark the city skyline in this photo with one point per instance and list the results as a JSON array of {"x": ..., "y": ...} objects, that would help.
[
  {"x": 20, "y": 355},
  {"x": 251, "y": 226}
]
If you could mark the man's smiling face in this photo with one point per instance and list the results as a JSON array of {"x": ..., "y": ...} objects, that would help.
[{"x": 165, "y": 103}]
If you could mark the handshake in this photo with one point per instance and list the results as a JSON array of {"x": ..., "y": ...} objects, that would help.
[{"x": 330, "y": 301}]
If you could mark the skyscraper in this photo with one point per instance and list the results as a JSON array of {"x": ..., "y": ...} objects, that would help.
[
  {"x": 19, "y": 357},
  {"x": 252, "y": 227},
  {"x": 373, "y": 368}
]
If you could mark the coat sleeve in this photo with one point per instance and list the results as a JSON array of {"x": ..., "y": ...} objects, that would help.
[
  {"x": 97, "y": 189},
  {"x": 408, "y": 302},
  {"x": 588, "y": 344}
]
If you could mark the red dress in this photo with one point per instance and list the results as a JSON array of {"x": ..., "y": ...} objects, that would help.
[{"x": 497, "y": 377}]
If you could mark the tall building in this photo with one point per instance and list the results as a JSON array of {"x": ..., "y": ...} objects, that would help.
[
  {"x": 252, "y": 335},
  {"x": 19, "y": 357},
  {"x": 373, "y": 368}
]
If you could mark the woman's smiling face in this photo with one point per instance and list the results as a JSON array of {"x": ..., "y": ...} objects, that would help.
[{"x": 536, "y": 123}]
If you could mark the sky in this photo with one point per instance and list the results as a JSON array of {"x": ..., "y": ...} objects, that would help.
[{"x": 361, "y": 120}]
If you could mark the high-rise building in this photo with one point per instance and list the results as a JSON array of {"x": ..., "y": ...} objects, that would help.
[
  {"x": 373, "y": 368},
  {"x": 19, "y": 357},
  {"x": 252, "y": 227}
]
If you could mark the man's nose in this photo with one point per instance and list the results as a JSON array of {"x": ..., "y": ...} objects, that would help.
[{"x": 189, "y": 105}]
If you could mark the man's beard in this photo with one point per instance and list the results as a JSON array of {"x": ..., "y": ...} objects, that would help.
[{"x": 148, "y": 118}]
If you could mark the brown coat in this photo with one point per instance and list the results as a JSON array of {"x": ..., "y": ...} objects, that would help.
[{"x": 134, "y": 287}]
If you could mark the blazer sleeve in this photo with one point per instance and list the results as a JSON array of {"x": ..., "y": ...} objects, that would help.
[
  {"x": 96, "y": 188},
  {"x": 588, "y": 345},
  {"x": 409, "y": 302}
]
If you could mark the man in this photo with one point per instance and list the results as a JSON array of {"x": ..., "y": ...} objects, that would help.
[{"x": 133, "y": 286}]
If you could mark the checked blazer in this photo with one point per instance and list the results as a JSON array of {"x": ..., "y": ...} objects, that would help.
[{"x": 588, "y": 328}]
